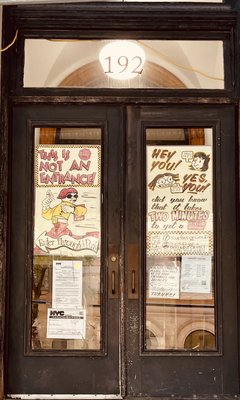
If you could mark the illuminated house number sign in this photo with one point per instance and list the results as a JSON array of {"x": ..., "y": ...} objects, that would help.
[{"x": 122, "y": 59}]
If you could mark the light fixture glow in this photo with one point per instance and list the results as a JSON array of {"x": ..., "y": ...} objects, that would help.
[{"x": 122, "y": 59}]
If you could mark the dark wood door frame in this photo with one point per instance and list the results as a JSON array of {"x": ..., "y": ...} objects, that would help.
[
  {"x": 173, "y": 114},
  {"x": 159, "y": 21}
]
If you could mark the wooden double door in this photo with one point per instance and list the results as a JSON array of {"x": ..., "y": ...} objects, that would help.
[{"x": 122, "y": 252}]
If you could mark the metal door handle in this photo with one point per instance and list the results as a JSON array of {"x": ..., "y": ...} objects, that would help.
[
  {"x": 133, "y": 281},
  {"x": 113, "y": 282},
  {"x": 133, "y": 268}
]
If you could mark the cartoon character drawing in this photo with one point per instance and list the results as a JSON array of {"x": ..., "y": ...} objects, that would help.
[
  {"x": 164, "y": 181},
  {"x": 200, "y": 161},
  {"x": 59, "y": 214}
]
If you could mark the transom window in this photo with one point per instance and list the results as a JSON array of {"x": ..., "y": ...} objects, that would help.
[{"x": 140, "y": 64}]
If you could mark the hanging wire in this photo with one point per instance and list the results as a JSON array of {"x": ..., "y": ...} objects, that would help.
[
  {"x": 170, "y": 61},
  {"x": 10, "y": 44}
]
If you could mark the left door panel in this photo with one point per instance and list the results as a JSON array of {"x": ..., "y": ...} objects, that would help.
[{"x": 64, "y": 196}]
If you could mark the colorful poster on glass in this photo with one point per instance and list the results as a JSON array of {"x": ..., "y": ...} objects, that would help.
[
  {"x": 179, "y": 200},
  {"x": 67, "y": 200}
]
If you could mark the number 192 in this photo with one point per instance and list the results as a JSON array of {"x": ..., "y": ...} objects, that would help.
[{"x": 124, "y": 64}]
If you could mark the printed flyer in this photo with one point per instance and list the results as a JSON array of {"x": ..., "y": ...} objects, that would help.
[
  {"x": 179, "y": 200},
  {"x": 67, "y": 200},
  {"x": 196, "y": 274},
  {"x": 66, "y": 324},
  {"x": 67, "y": 284}
]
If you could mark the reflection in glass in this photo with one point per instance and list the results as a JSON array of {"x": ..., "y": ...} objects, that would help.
[
  {"x": 200, "y": 340},
  {"x": 179, "y": 239},
  {"x": 66, "y": 301}
]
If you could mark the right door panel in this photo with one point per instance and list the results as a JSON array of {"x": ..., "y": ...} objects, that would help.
[{"x": 181, "y": 221}]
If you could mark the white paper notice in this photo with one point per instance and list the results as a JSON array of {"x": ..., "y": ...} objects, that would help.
[
  {"x": 196, "y": 274},
  {"x": 164, "y": 281},
  {"x": 66, "y": 324},
  {"x": 67, "y": 284}
]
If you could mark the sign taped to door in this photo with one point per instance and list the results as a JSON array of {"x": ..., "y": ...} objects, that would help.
[
  {"x": 164, "y": 280},
  {"x": 66, "y": 323},
  {"x": 196, "y": 274},
  {"x": 67, "y": 284},
  {"x": 179, "y": 200},
  {"x": 67, "y": 199}
]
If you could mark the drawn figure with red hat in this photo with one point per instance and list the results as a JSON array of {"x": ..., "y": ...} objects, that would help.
[{"x": 59, "y": 214}]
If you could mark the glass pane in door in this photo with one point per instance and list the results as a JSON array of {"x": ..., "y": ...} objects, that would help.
[
  {"x": 180, "y": 277},
  {"x": 66, "y": 300}
]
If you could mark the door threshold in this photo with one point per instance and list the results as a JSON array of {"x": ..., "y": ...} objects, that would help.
[{"x": 65, "y": 396}]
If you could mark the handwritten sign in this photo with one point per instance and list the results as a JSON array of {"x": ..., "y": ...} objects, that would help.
[
  {"x": 67, "y": 200},
  {"x": 63, "y": 166},
  {"x": 164, "y": 281},
  {"x": 179, "y": 200},
  {"x": 179, "y": 243}
]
